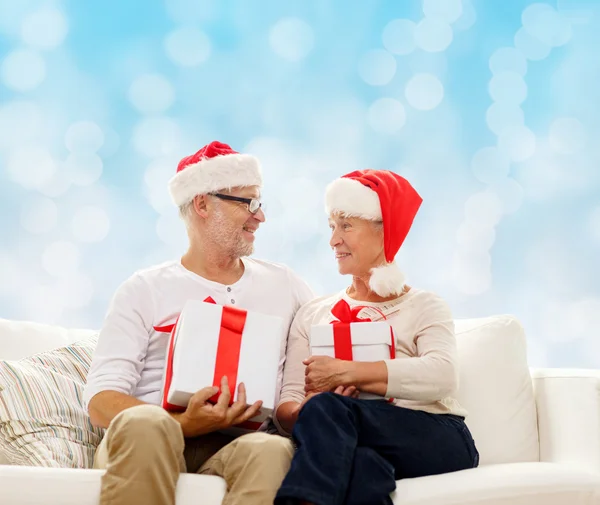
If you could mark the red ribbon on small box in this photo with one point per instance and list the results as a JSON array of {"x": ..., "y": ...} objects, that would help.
[
  {"x": 232, "y": 325},
  {"x": 342, "y": 337}
]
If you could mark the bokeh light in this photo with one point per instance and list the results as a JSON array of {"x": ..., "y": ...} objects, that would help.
[
  {"x": 377, "y": 67},
  {"x": 291, "y": 38},
  {"x": 399, "y": 36},
  {"x": 23, "y": 70},
  {"x": 90, "y": 224},
  {"x": 433, "y": 35},
  {"x": 151, "y": 94},
  {"x": 424, "y": 91},
  {"x": 187, "y": 46},
  {"x": 387, "y": 115},
  {"x": 45, "y": 28},
  {"x": 446, "y": 10}
]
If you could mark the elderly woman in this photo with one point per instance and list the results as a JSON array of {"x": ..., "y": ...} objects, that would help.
[{"x": 351, "y": 450}]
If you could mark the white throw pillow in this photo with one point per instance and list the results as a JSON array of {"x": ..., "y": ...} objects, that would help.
[
  {"x": 19, "y": 339},
  {"x": 496, "y": 389}
]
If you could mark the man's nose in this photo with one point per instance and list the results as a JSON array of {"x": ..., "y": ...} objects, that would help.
[{"x": 260, "y": 216}]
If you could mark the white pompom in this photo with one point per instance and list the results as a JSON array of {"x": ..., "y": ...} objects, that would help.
[{"x": 387, "y": 280}]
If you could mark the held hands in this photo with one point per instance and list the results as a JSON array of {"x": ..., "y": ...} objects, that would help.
[
  {"x": 323, "y": 374},
  {"x": 202, "y": 417},
  {"x": 349, "y": 391},
  {"x": 288, "y": 412},
  {"x": 340, "y": 390}
]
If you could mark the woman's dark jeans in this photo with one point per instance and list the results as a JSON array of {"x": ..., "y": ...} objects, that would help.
[{"x": 352, "y": 451}]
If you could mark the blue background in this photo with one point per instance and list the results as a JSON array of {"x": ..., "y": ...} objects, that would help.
[{"x": 490, "y": 109}]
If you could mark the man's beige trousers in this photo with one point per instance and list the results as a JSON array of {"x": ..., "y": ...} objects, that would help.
[{"x": 144, "y": 452}]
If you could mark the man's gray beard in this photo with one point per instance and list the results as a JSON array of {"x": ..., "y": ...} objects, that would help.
[{"x": 228, "y": 236}]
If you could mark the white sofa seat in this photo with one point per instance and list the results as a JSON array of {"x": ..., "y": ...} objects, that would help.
[
  {"x": 28, "y": 485},
  {"x": 515, "y": 484},
  {"x": 512, "y": 483}
]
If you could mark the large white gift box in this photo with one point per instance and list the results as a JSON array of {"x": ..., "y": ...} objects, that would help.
[
  {"x": 209, "y": 341},
  {"x": 354, "y": 339}
]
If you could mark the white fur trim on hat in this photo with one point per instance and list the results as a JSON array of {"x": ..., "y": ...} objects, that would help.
[
  {"x": 213, "y": 174},
  {"x": 353, "y": 199},
  {"x": 387, "y": 280}
]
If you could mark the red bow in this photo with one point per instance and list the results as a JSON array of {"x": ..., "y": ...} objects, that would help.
[
  {"x": 342, "y": 339},
  {"x": 345, "y": 314}
]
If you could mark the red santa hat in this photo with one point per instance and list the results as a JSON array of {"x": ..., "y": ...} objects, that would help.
[
  {"x": 214, "y": 167},
  {"x": 378, "y": 195}
]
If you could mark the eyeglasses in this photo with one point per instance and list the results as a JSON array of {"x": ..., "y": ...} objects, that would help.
[{"x": 252, "y": 203}]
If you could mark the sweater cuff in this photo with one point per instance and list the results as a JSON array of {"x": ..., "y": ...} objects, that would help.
[
  {"x": 394, "y": 380},
  {"x": 280, "y": 429}
]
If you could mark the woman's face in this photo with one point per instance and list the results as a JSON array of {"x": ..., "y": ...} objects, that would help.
[{"x": 357, "y": 243}]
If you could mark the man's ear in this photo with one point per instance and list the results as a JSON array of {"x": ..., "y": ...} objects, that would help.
[{"x": 200, "y": 206}]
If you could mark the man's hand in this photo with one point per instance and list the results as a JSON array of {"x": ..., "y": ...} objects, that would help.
[
  {"x": 323, "y": 374},
  {"x": 202, "y": 417}
]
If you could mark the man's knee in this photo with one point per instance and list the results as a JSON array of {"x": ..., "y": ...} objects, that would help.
[
  {"x": 144, "y": 421},
  {"x": 264, "y": 446}
]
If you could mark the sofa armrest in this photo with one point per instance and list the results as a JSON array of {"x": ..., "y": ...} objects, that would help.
[{"x": 568, "y": 412}]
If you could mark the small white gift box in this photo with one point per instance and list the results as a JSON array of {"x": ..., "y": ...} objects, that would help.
[
  {"x": 210, "y": 341},
  {"x": 353, "y": 339}
]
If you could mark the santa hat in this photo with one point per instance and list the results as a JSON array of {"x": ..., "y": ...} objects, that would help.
[
  {"x": 378, "y": 195},
  {"x": 214, "y": 167}
]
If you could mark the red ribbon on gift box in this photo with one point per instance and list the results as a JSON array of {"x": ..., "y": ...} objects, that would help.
[
  {"x": 171, "y": 328},
  {"x": 342, "y": 339},
  {"x": 233, "y": 321}
]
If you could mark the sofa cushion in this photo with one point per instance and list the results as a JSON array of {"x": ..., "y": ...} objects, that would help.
[
  {"x": 66, "y": 486},
  {"x": 511, "y": 484},
  {"x": 496, "y": 389},
  {"x": 42, "y": 419},
  {"x": 19, "y": 339}
]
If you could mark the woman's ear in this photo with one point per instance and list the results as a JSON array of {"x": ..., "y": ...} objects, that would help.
[
  {"x": 378, "y": 226},
  {"x": 379, "y": 230}
]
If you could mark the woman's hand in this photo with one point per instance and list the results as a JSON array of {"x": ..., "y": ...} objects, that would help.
[
  {"x": 349, "y": 391},
  {"x": 340, "y": 390},
  {"x": 323, "y": 374},
  {"x": 287, "y": 413}
]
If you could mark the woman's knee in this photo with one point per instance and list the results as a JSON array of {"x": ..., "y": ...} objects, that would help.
[{"x": 367, "y": 459}]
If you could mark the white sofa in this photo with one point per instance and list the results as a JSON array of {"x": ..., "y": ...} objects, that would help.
[{"x": 537, "y": 431}]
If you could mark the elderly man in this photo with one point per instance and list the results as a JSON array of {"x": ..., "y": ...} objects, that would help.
[{"x": 145, "y": 448}]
